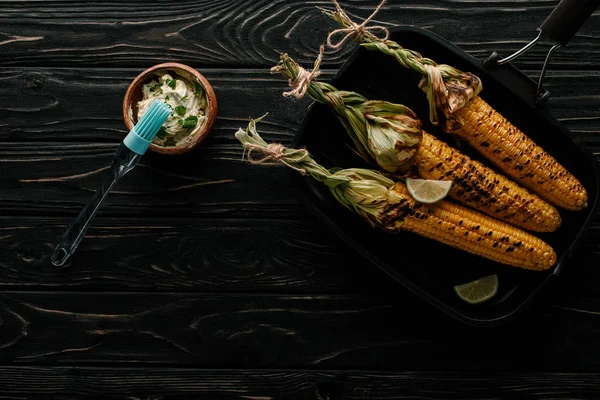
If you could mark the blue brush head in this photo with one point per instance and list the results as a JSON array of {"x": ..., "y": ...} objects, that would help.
[{"x": 140, "y": 137}]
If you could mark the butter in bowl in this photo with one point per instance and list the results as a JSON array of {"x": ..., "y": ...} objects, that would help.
[{"x": 189, "y": 94}]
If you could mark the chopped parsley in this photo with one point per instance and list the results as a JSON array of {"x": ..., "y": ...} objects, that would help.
[
  {"x": 171, "y": 83},
  {"x": 162, "y": 132},
  {"x": 189, "y": 122},
  {"x": 180, "y": 110},
  {"x": 198, "y": 88}
]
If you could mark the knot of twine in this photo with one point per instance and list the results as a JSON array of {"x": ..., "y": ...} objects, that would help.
[
  {"x": 357, "y": 30},
  {"x": 275, "y": 154},
  {"x": 304, "y": 78}
]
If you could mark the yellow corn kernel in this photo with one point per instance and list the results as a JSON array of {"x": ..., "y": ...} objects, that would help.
[
  {"x": 483, "y": 189},
  {"x": 518, "y": 156},
  {"x": 471, "y": 231}
]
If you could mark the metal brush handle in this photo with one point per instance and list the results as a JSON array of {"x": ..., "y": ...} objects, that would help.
[
  {"x": 124, "y": 160},
  {"x": 560, "y": 26}
]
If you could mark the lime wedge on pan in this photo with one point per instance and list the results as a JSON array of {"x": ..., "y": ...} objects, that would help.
[{"x": 478, "y": 291}]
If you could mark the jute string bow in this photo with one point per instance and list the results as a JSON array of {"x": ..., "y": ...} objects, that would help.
[
  {"x": 304, "y": 78},
  {"x": 357, "y": 30},
  {"x": 302, "y": 82},
  {"x": 275, "y": 153}
]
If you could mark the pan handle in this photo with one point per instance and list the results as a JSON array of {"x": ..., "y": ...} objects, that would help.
[
  {"x": 561, "y": 25},
  {"x": 567, "y": 18}
]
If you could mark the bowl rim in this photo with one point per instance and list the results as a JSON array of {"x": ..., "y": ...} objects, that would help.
[{"x": 211, "y": 113}]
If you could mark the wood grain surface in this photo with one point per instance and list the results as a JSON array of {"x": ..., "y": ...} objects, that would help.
[
  {"x": 389, "y": 331},
  {"x": 62, "y": 383},
  {"x": 205, "y": 277},
  {"x": 83, "y": 105},
  {"x": 177, "y": 254},
  {"x": 250, "y": 33},
  {"x": 56, "y": 149}
]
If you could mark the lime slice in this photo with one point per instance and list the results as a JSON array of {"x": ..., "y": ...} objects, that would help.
[
  {"x": 428, "y": 190},
  {"x": 478, "y": 291}
]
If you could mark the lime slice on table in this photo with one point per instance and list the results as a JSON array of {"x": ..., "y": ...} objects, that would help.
[
  {"x": 478, "y": 291},
  {"x": 428, "y": 191}
]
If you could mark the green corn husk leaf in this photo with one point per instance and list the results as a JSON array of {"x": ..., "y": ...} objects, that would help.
[
  {"x": 250, "y": 138},
  {"x": 461, "y": 86},
  {"x": 445, "y": 95},
  {"x": 394, "y": 132},
  {"x": 366, "y": 192},
  {"x": 448, "y": 90},
  {"x": 385, "y": 133}
]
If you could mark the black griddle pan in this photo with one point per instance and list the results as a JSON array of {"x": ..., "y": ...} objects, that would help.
[{"x": 428, "y": 268}]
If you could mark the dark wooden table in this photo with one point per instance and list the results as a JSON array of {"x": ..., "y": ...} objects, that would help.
[{"x": 204, "y": 277}]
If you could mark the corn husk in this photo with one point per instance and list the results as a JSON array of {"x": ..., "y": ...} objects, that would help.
[
  {"x": 382, "y": 132},
  {"x": 448, "y": 89},
  {"x": 387, "y": 205},
  {"x": 365, "y": 192}
]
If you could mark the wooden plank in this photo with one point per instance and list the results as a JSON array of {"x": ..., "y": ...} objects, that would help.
[
  {"x": 217, "y": 255},
  {"x": 59, "y": 179},
  {"x": 84, "y": 105},
  {"x": 41, "y": 383},
  {"x": 243, "y": 255},
  {"x": 58, "y": 144},
  {"x": 267, "y": 331},
  {"x": 84, "y": 109},
  {"x": 234, "y": 33}
]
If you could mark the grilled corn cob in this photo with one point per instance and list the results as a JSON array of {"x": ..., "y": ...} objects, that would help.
[
  {"x": 387, "y": 205},
  {"x": 456, "y": 107},
  {"x": 518, "y": 156},
  {"x": 483, "y": 189},
  {"x": 390, "y": 135}
]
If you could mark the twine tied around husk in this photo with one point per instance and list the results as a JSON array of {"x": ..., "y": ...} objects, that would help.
[
  {"x": 275, "y": 153},
  {"x": 304, "y": 78},
  {"x": 357, "y": 30},
  {"x": 448, "y": 89},
  {"x": 367, "y": 192},
  {"x": 385, "y": 133}
]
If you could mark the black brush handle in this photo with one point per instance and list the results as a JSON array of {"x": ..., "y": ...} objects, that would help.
[
  {"x": 567, "y": 18},
  {"x": 123, "y": 161}
]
